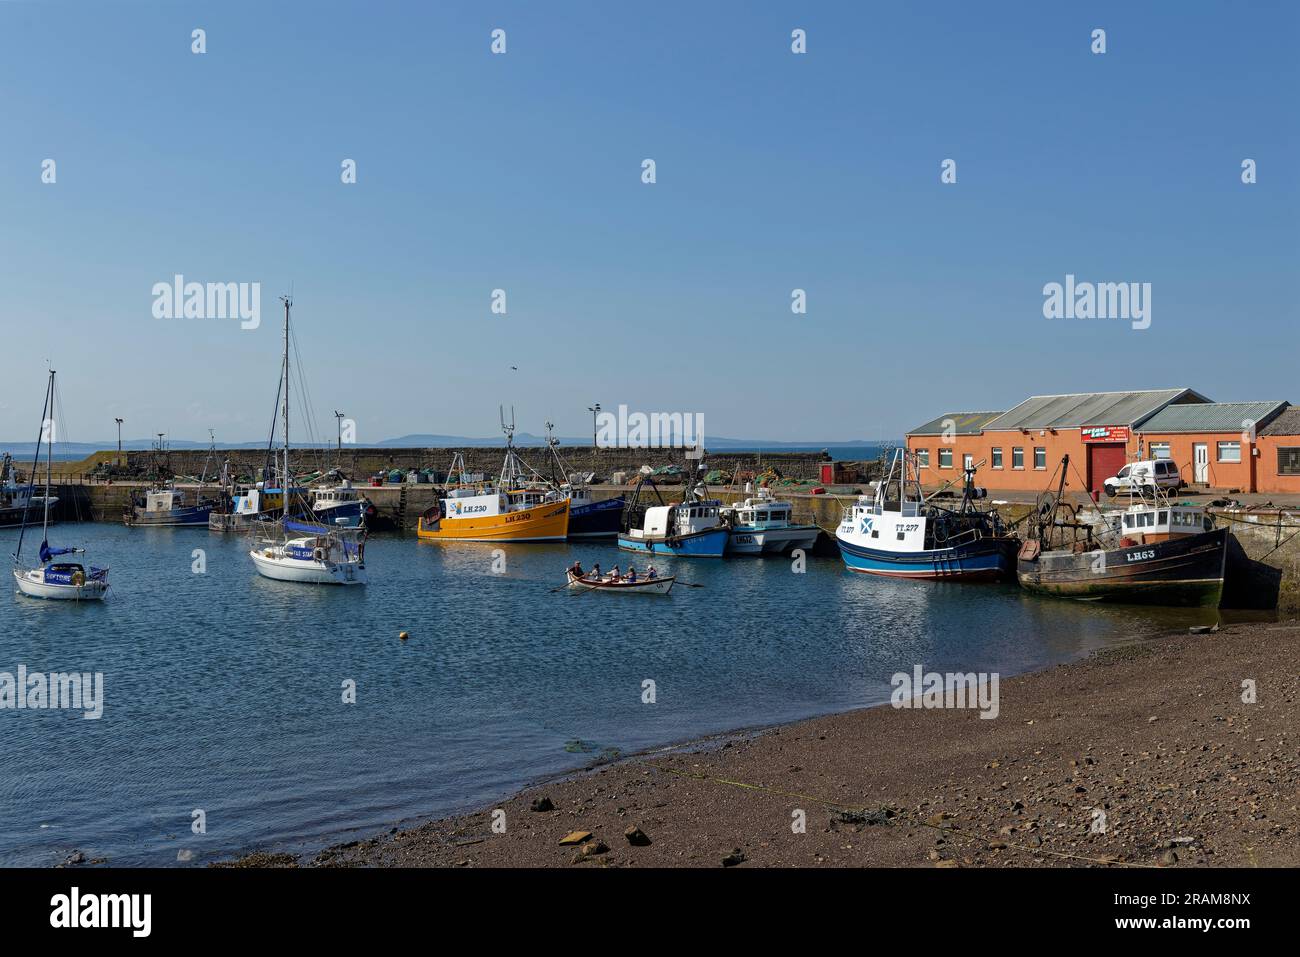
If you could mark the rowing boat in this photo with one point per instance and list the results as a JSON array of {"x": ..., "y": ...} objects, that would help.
[{"x": 642, "y": 586}]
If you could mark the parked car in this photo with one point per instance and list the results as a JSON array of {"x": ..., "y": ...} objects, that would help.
[{"x": 1150, "y": 474}]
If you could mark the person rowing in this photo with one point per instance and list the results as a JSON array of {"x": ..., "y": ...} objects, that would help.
[
  {"x": 631, "y": 576},
  {"x": 595, "y": 571},
  {"x": 650, "y": 572},
  {"x": 614, "y": 575},
  {"x": 576, "y": 569}
]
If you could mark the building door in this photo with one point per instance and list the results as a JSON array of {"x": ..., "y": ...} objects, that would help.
[
  {"x": 1201, "y": 462},
  {"x": 968, "y": 461},
  {"x": 1105, "y": 459}
]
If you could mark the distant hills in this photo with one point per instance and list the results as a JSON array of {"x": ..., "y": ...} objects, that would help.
[{"x": 65, "y": 450}]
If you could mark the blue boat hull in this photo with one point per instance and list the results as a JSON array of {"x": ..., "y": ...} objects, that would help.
[
  {"x": 597, "y": 520},
  {"x": 353, "y": 515},
  {"x": 710, "y": 544},
  {"x": 186, "y": 517},
  {"x": 989, "y": 559}
]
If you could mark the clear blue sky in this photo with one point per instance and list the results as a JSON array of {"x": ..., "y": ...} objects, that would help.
[{"x": 522, "y": 172}]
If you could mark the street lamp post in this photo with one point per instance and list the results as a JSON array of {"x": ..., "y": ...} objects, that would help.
[
  {"x": 595, "y": 411},
  {"x": 119, "y": 441}
]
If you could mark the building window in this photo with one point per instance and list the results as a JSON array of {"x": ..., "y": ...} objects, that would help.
[
  {"x": 945, "y": 458},
  {"x": 1160, "y": 450},
  {"x": 922, "y": 458},
  {"x": 1288, "y": 461},
  {"x": 1017, "y": 457},
  {"x": 997, "y": 458},
  {"x": 1229, "y": 451},
  {"x": 1040, "y": 457}
]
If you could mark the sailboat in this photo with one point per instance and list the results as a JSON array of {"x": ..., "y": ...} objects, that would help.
[
  {"x": 51, "y": 579},
  {"x": 300, "y": 550}
]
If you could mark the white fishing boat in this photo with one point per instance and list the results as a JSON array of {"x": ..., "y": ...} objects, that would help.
[
  {"x": 17, "y": 499},
  {"x": 340, "y": 505},
  {"x": 51, "y": 579},
  {"x": 305, "y": 551},
  {"x": 761, "y": 525}
]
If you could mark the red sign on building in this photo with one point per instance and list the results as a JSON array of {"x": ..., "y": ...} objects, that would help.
[{"x": 1104, "y": 433}]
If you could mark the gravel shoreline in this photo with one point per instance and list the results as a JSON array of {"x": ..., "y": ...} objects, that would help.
[{"x": 1144, "y": 755}]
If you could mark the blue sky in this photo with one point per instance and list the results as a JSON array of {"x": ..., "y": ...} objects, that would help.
[{"x": 523, "y": 172}]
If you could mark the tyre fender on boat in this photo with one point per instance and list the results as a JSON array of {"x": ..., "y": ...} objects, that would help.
[
  {"x": 318, "y": 554},
  {"x": 78, "y": 579}
]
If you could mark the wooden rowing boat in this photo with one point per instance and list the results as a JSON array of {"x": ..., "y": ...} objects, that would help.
[{"x": 642, "y": 586}]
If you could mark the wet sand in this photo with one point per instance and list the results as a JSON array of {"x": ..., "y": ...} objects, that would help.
[{"x": 1144, "y": 755}]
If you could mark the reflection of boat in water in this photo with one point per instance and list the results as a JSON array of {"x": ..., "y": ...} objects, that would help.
[
  {"x": 642, "y": 586},
  {"x": 900, "y": 533},
  {"x": 518, "y": 507},
  {"x": 1151, "y": 552},
  {"x": 168, "y": 507},
  {"x": 51, "y": 579},
  {"x": 761, "y": 525}
]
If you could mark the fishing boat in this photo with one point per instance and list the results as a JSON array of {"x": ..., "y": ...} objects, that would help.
[
  {"x": 341, "y": 505},
  {"x": 16, "y": 499},
  {"x": 306, "y": 551},
  {"x": 244, "y": 508},
  {"x": 51, "y": 579},
  {"x": 692, "y": 528},
  {"x": 518, "y": 507},
  {"x": 642, "y": 586},
  {"x": 166, "y": 506},
  {"x": 899, "y": 533},
  {"x": 761, "y": 525},
  {"x": 1150, "y": 552},
  {"x": 588, "y": 518}
]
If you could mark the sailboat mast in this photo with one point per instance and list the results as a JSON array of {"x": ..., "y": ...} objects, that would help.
[
  {"x": 48, "y": 428},
  {"x": 46, "y": 416},
  {"x": 284, "y": 490}
]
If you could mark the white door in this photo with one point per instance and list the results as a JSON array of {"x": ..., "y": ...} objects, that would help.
[
  {"x": 968, "y": 461},
  {"x": 1201, "y": 458}
]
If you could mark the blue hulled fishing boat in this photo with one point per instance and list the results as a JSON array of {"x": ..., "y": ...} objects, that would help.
[
  {"x": 900, "y": 534},
  {"x": 689, "y": 529}
]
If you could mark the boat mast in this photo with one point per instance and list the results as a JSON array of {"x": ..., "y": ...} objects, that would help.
[
  {"x": 284, "y": 487},
  {"x": 46, "y": 416},
  {"x": 47, "y": 426}
]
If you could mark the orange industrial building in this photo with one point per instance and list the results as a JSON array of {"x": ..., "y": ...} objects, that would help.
[{"x": 1247, "y": 446}]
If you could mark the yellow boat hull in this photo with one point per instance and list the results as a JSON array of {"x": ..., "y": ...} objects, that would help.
[{"x": 541, "y": 523}]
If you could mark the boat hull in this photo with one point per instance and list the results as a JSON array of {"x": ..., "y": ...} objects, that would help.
[
  {"x": 597, "y": 519},
  {"x": 1183, "y": 571},
  {"x": 192, "y": 516},
  {"x": 650, "y": 586},
  {"x": 30, "y": 583},
  {"x": 344, "y": 515},
  {"x": 548, "y": 522},
  {"x": 286, "y": 569},
  {"x": 986, "y": 559},
  {"x": 770, "y": 541},
  {"x": 711, "y": 543}
]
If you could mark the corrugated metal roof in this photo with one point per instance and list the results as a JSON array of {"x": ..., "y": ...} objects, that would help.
[
  {"x": 1082, "y": 409},
  {"x": 1288, "y": 423},
  {"x": 963, "y": 423},
  {"x": 1212, "y": 417}
]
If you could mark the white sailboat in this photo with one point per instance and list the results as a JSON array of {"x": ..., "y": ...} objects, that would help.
[
  {"x": 294, "y": 550},
  {"x": 54, "y": 579}
]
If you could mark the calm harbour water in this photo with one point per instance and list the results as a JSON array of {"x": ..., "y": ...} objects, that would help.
[{"x": 223, "y": 690}]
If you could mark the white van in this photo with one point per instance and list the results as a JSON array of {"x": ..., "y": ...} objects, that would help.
[{"x": 1145, "y": 475}]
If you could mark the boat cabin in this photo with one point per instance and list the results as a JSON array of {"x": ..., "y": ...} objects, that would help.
[
  {"x": 1147, "y": 524},
  {"x": 337, "y": 495},
  {"x": 759, "y": 513},
  {"x": 683, "y": 518},
  {"x": 163, "y": 500}
]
